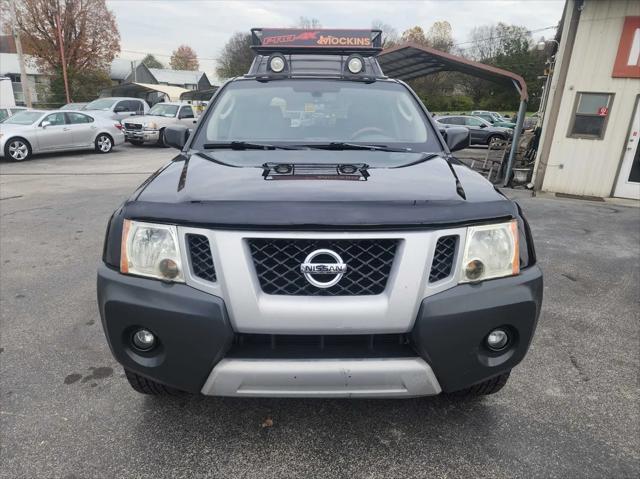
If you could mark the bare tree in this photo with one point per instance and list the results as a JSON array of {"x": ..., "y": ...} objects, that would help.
[
  {"x": 236, "y": 56},
  {"x": 184, "y": 58},
  {"x": 308, "y": 23},
  {"x": 440, "y": 36},
  {"x": 390, "y": 35}
]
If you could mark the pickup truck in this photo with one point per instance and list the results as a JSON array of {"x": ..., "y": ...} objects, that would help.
[
  {"x": 315, "y": 236},
  {"x": 150, "y": 127}
]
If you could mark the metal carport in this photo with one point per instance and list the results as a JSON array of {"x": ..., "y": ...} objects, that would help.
[
  {"x": 198, "y": 95},
  {"x": 150, "y": 92},
  {"x": 410, "y": 60}
]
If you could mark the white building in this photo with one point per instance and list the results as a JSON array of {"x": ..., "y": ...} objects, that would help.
[
  {"x": 38, "y": 82},
  {"x": 591, "y": 127}
]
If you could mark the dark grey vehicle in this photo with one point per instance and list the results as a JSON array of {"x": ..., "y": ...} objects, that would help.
[
  {"x": 314, "y": 237},
  {"x": 482, "y": 132}
]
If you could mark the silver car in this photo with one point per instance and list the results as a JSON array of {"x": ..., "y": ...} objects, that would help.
[
  {"x": 118, "y": 108},
  {"x": 35, "y": 131}
]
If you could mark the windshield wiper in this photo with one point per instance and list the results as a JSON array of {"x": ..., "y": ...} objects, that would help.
[
  {"x": 341, "y": 145},
  {"x": 245, "y": 145},
  {"x": 421, "y": 159}
]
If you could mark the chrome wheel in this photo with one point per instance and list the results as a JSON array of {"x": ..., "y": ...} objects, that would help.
[
  {"x": 18, "y": 150},
  {"x": 104, "y": 144}
]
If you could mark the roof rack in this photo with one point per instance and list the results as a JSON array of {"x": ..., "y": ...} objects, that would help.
[{"x": 294, "y": 40}]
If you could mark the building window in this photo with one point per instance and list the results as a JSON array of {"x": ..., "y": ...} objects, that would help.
[{"x": 590, "y": 115}]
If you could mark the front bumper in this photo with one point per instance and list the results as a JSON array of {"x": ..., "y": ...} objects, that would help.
[
  {"x": 195, "y": 334},
  {"x": 142, "y": 135}
]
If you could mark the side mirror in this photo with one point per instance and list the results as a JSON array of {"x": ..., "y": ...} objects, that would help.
[
  {"x": 176, "y": 136},
  {"x": 457, "y": 138},
  {"x": 483, "y": 125},
  {"x": 45, "y": 124}
]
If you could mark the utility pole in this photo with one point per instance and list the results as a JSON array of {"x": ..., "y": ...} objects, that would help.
[
  {"x": 26, "y": 91},
  {"x": 62, "y": 59}
]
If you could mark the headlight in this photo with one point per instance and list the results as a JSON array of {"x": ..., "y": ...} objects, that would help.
[
  {"x": 152, "y": 125},
  {"x": 491, "y": 251},
  {"x": 151, "y": 250}
]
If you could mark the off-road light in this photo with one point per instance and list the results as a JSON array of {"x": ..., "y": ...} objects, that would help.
[
  {"x": 144, "y": 340},
  {"x": 277, "y": 64},
  {"x": 355, "y": 65},
  {"x": 497, "y": 339}
]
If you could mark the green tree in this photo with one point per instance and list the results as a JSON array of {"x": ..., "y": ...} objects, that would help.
[
  {"x": 236, "y": 56},
  {"x": 151, "y": 62}
]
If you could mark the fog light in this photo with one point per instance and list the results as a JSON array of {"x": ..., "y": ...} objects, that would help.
[
  {"x": 497, "y": 339},
  {"x": 355, "y": 65},
  {"x": 144, "y": 340},
  {"x": 276, "y": 64}
]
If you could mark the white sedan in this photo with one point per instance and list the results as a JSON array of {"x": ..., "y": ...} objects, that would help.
[{"x": 35, "y": 131}]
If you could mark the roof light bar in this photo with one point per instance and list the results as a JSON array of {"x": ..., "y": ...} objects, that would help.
[{"x": 366, "y": 42}]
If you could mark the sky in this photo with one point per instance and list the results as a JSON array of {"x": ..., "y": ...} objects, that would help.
[{"x": 160, "y": 26}]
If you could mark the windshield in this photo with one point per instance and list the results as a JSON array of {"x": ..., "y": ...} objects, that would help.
[
  {"x": 308, "y": 112},
  {"x": 164, "y": 110},
  {"x": 23, "y": 118},
  {"x": 101, "y": 104}
]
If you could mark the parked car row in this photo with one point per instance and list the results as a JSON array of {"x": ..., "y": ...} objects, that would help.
[
  {"x": 41, "y": 131},
  {"x": 100, "y": 125},
  {"x": 482, "y": 132}
]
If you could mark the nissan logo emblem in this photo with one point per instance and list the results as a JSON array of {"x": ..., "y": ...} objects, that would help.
[{"x": 336, "y": 269}]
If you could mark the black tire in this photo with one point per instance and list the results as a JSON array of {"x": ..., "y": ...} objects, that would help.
[
  {"x": 147, "y": 386},
  {"x": 17, "y": 149},
  {"x": 161, "y": 141},
  {"x": 104, "y": 143},
  {"x": 493, "y": 138},
  {"x": 136, "y": 142},
  {"x": 490, "y": 386}
]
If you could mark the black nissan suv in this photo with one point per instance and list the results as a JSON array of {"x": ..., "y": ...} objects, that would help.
[{"x": 315, "y": 237}]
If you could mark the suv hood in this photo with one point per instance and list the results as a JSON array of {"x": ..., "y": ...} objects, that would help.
[{"x": 234, "y": 192}]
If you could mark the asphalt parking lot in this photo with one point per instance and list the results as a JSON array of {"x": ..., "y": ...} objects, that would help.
[{"x": 571, "y": 409}]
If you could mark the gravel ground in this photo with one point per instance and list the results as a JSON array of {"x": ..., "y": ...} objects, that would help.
[{"x": 569, "y": 410}]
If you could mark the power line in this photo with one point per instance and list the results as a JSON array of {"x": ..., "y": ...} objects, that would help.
[
  {"x": 499, "y": 38},
  {"x": 160, "y": 54},
  {"x": 138, "y": 52}
]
